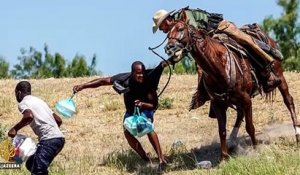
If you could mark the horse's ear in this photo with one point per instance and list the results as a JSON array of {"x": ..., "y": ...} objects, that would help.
[{"x": 182, "y": 16}]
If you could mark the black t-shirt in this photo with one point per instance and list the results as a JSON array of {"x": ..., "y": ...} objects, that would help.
[{"x": 138, "y": 91}]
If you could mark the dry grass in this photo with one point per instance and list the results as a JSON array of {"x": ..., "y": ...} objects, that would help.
[{"x": 94, "y": 139}]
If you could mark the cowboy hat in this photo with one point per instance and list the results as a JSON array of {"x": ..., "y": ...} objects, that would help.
[{"x": 159, "y": 17}]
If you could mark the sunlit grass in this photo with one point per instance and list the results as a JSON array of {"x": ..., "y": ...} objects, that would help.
[{"x": 95, "y": 143}]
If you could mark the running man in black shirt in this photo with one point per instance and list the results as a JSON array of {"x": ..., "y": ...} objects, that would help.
[{"x": 139, "y": 88}]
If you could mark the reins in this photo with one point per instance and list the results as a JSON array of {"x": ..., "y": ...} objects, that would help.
[{"x": 170, "y": 70}]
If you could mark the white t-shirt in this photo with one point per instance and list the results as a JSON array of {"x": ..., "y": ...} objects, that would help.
[{"x": 43, "y": 123}]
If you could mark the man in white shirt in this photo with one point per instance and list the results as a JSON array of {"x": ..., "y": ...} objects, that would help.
[{"x": 45, "y": 124}]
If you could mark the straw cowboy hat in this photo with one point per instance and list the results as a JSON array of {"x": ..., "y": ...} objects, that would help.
[{"x": 159, "y": 17}]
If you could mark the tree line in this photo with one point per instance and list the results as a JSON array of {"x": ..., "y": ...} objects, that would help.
[
  {"x": 286, "y": 31},
  {"x": 34, "y": 64}
]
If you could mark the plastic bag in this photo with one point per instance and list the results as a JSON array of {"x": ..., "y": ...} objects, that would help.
[
  {"x": 67, "y": 107},
  {"x": 137, "y": 124},
  {"x": 24, "y": 148},
  {"x": 144, "y": 126},
  {"x": 130, "y": 125}
]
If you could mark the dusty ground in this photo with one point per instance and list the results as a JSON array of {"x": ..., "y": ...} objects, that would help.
[{"x": 96, "y": 130}]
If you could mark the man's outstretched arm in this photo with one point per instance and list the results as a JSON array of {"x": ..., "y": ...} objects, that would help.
[{"x": 93, "y": 84}]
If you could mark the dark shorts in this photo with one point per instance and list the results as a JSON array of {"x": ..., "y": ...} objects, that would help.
[{"x": 46, "y": 150}]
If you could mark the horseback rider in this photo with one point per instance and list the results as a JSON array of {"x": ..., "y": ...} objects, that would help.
[{"x": 214, "y": 23}]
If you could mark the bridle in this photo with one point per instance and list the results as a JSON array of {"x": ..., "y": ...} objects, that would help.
[
  {"x": 180, "y": 35},
  {"x": 170, "y": 70}
]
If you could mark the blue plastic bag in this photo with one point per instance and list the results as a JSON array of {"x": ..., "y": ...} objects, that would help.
[
  {"x": 138, "y": 124},
  {"x": 144, "y": 126},
  {"x": 67, "y": 107},
  {"x": 130, "y": 124}
]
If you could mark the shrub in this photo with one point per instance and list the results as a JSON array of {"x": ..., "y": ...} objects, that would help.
[{"x": 165, "y": 103}]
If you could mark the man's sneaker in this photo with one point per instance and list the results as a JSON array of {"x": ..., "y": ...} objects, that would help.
[{"x": 161, "y": 166}]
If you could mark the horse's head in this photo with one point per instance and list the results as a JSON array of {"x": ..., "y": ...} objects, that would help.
[{"x": 178, "y": 41}]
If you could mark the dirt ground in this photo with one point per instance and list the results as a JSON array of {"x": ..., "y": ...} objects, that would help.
[{"x": 96, "y": 130}]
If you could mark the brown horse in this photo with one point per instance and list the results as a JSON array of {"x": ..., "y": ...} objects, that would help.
[{"x": 227, "y": 78}]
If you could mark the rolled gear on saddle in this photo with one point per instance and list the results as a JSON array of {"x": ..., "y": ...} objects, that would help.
[
  {"x": 261, "y": 38},
  {"x": 199, "y": 18},
  {"x": 269, "y": 80}
]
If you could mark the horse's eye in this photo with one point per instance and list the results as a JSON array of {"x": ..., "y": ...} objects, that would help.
[{"x": 180, "y": 29}]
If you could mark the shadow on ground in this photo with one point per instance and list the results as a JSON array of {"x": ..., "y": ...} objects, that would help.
[{"x": 180, "y": 158}]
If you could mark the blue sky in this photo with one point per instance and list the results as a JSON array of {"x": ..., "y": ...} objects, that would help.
[{"x": 118, "y": 32}]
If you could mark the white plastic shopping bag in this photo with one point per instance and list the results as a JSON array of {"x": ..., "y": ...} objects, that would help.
[{"x": 24, "y": 147}]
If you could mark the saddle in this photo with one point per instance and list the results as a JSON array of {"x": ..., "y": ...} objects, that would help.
[{"x": 261, "y": 38}]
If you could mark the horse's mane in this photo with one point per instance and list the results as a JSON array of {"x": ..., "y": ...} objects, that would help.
[{"x": 213, "y": 48}]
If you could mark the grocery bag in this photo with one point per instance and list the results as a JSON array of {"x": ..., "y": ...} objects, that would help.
[
  {"x": 138, "y": 124},
  {"x": 66, "y": 107},
  {"x": 24, "y": 148}
]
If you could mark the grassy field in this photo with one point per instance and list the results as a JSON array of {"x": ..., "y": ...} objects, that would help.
[{"x": 95, "y": 143}]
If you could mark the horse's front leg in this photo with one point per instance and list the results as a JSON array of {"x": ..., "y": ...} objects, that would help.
[
  {"x": 220, "y": 111},
  {"x": 289, "y": 103}
]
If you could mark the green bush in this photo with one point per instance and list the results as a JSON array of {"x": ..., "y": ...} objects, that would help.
[
  {"x": 185, "y": 66},
  {"x": 165, "y": 103},
  {"x": 292, "y": 64}
]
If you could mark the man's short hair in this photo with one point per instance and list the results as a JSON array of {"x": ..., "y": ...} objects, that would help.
[
  {"x": 24, "y": 87},
  {"x": 137, "y": 63}
]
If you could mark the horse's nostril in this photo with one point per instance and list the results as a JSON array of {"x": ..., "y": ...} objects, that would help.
[
  {"x": 168, "y": 52},
  {"x": 169, "y": 46}
]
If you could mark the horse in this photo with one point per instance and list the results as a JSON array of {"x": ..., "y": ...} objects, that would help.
[{"x": 228, "y": 78}]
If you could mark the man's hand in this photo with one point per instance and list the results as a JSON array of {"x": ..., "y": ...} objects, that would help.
[
  {"x": 138, "y": 103},
  {"x": 12, "y": 132},
  {"x": 77, "y": 88}
]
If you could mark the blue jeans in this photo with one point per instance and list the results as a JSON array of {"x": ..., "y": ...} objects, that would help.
[{"x": 46, "y": 150}]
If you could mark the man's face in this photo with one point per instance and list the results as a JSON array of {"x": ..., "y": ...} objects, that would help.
[
  {"x": 138, "y": 74},
  {"x": 166, "y": 25},
  {"x": 18, "y": 95}
]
